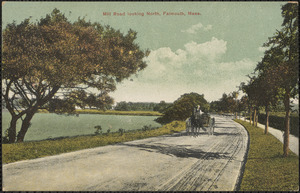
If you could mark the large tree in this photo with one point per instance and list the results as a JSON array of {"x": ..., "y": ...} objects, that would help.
[
  {"x": 243, "y": 104},
  {"x": 284, "y": 51},
  {"x": 269, "y": 91},
  {"x": 183, "y": 107},
  {"x": 251, "y": 90},
  {"x": 235, "y": 95},
  {"x": 228, "y": 103},
  {"x": 54, "y": 57}
]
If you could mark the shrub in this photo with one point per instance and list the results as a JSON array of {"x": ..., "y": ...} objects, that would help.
[
  {"x": 121, "y": 131},
  {"x": 278, "y": 123},
  {"x": 98, "y": 130},
  {"x": 147, "y": 127},
  {"x": 183, "y": 107}
]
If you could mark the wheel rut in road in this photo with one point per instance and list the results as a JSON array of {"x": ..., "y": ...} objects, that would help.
[{"x": 211, "y": 164}]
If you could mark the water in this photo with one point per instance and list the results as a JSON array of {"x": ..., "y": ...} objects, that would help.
[{"x": 50, "y": 125}]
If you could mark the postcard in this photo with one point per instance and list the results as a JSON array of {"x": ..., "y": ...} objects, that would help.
[{"x": 150, "y": 96}]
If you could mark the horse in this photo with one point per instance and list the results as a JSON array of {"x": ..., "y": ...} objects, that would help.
[
  {"x": 198, "y": 124},
  {"x": 188, "y": 126},
  {"x": 191, "y": 126},
  {"x": 211, "y": 124},
  {"x": 197, "y": 121}
]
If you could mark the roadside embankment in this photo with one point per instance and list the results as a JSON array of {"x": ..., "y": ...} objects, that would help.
[
  {"x": 294, "y": 141},
  {"x": 266, "y": 169}
]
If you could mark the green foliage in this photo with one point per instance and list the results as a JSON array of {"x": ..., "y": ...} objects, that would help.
[
  {"x": 279, "y": 69},
  {"x": 141, "y": 106},
  {"x": 60, "y": 106},
  {"x": 121, "y": 131},
  {"x": 54, "y": 55},
  {"x": 183, "y": 107},
  {"x": 30, "y": 150},
  {"x": 278, "y": 123},
  {"x": 162, "y": 106},
  {"x": 227, "y": 104},
  {"x": 146, "y": 127},
  {"x": 266, "y": 169},
  {"x": 122, "y": 106},
  {"x": 98, "y": 130}
]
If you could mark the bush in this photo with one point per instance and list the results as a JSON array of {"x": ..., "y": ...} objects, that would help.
[
  {"x": 183, "y": 107},
  {"x": 146, "y": 127},
  {"x": 121, "y": 131},
  {"x": 278, "y": 123},
  {"x": 98, "y": 130}
]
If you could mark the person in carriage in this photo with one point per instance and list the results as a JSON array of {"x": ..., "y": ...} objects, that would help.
[{"x": 199, "y": 120}]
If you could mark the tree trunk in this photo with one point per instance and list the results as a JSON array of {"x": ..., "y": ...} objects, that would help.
[
  {"x": 267, "y": 120},
  {"x": 12, "y": 130},
  {"x": 25, "y": 126},
  {"x": 250, "y": 116},
  {"x": 286, "y": 135},
  {"x": 254, "y": 117}
]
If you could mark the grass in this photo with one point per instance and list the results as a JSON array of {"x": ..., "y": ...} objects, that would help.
[
  {"x": 31, "y": 150},
  {"x": 112, "y": 112},
  {"x": 266, "y": 169}
]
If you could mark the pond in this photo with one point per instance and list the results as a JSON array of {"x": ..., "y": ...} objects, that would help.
[{"x": 50, "y": 125}]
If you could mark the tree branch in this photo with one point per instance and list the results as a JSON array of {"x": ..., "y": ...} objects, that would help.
[
  {"x": 22, "y": 93},
  {"x": 29, "y": 87}
]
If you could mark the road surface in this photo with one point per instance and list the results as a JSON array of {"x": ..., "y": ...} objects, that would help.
[{"x": 166, "y": 163}]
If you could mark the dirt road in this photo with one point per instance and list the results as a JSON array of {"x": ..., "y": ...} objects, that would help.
[{"x": 166, "y": 163}]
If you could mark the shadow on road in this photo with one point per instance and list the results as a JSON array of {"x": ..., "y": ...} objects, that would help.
[
  {"x": 217, "y": 134},
  {"x": 179, "y": 151},
  {"x": 221, "y": 122},
  {"x": 226, "y": 127},
  {"x": 184, "y": 133}
]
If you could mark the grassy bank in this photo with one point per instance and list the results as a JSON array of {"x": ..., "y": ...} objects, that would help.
[
  {"x": 266, "y": 169},
  {"x": 112, "y": 112},
  {"x": 31, "y": 150}
]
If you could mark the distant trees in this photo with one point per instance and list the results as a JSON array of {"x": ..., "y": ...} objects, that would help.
[
  {"x": 142, "y": 106},
  {"x": 161, "y": 106},
  {"x": 227, "y": 104},
  {"x": 254, "y": 93},
  {"x": 182, "y": 108},
  {"x": 54, "y": 58},
  {"x": 122, "y": 106},
  {"x": 278, "y": 76},
  {"x": 243, "y": 104},
  {"x": 235, "y": 95}
]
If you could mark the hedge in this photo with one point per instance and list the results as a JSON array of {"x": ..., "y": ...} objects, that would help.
[{"x": 278, "y": 123}]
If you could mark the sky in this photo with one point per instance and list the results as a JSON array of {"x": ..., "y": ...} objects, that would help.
[{"x": 210, "y": 52}]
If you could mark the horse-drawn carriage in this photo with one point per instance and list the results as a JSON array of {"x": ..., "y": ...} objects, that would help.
[{"x": 200, "y": 120}]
